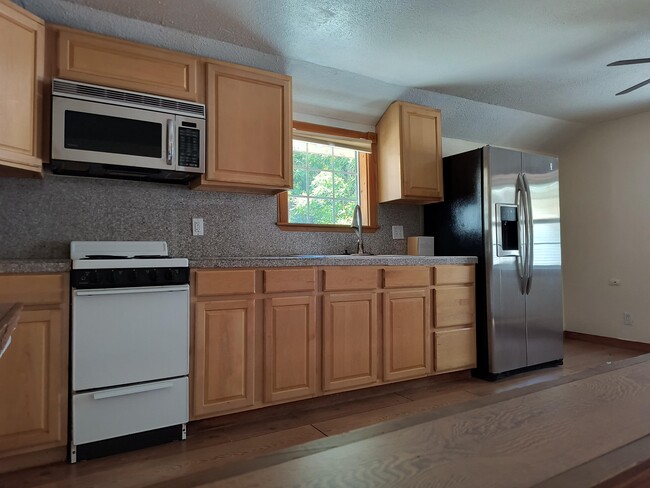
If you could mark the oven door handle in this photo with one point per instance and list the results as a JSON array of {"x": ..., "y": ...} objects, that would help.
[
  {"x": 100, "y": 395},
  {"x": 130, "y": 291}
]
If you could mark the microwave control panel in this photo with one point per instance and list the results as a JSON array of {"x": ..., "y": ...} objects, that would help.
[{"x": 189, "y": 147}]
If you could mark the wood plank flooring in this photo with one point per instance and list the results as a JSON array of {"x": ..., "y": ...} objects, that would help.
[{"x": 222, "y": 441}]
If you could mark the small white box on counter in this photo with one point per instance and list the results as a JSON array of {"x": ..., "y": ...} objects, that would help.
[{"x": 420, "y": 246}]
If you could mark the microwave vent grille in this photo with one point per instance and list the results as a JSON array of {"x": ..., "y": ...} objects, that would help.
[{"x": 62, "y": 87}]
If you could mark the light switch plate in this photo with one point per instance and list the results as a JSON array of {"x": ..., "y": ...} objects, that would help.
[{"x": 398, "y": 232}]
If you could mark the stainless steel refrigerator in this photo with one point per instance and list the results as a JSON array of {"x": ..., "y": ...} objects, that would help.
[{"x": 503, "y": 206}]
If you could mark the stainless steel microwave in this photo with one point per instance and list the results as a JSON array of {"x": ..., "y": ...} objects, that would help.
[{"x": 101, "y": 131}]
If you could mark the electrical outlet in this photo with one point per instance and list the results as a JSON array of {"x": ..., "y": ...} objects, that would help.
[
  {"x": 627, "y": 318},
  {"x": 197, "y": 226},
  {"x": 614, "y": 282},
  {"x": 398, "y": 232}
]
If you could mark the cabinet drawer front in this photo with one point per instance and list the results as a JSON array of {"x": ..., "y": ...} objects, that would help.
[
  {"x": 454, "y": 306},
  {"x": 453, "y": 275},
  {"x": 104, "y": 414},
  {"x": 455, "y": 349},
  {"x": 225, "y": 282},
  {"x": 285, "y": 280},
  {"x": 121, "y": 64},
  {"x": 349, "y": 278},
  {"x": 406, "y": 277},
  {"x": 32, "y": 289}
]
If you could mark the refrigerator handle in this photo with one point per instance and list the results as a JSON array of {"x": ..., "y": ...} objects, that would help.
[
  {"x": 529, "y": 235},
  {"x": 522, "y": 262}
]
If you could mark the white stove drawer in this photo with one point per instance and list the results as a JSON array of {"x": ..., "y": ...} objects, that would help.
[{"x": 104, "y": 414}]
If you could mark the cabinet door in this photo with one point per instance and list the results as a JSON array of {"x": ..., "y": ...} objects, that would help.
[
  {"x": 121, "y": 64},
  {"x": 289, "y": 348},
  {"x": 224, "y": 356},
  {"x": 421, "y": 140},
  {"x": 33, "y": 384},
  {"x": 22, "y": 61},
  {"x": 249, "y": 125},
  {"x": 455, "y": 349},
  {"x": 407, "y": 345},
  {"x": 349, "y": 340}
]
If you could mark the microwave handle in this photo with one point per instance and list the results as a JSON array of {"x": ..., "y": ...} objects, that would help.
[{"x": 171, "y": 141}]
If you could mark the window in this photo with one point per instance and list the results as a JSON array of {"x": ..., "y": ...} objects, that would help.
[{"x": 333, "y": 171}]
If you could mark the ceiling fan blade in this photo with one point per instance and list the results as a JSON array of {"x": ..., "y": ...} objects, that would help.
[
  {"x": 624, "y": 62},
  {"x": 632, "y": 88}
]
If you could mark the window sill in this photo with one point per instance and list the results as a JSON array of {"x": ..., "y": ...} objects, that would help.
[{"x": 324, "y": 228}]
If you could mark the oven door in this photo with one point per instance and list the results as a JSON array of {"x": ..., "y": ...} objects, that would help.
[
  {"x": 109, "y": 134},
  {"x": 129, "y": 335}
]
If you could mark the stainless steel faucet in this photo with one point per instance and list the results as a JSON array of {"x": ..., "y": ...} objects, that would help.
[{"x": 357, "y": 223}]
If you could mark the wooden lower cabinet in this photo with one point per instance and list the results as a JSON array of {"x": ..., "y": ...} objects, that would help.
[
  {"x": 223, "y": 356},
  {"x": 34, "y": 371},
  {"x": 350, "y": 344},
  {"x": 455, "y": 349},
  {"x": 290, "y": 348},
  {"x": 407, "y": 345},
  {"x": 268, "y": 336},
  {"x": 33, "y": 384}
]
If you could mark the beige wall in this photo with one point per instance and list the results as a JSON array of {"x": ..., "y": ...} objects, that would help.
[{"x": 605, "y": 199}]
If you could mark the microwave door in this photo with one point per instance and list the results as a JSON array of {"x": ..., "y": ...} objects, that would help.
[{"x": 101, "y": 133}]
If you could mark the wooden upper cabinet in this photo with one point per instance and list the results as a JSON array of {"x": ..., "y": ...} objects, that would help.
[
  {"x": 249, "y": 130},
  {"x": 22, "y": 48},
  {"x": 409, "y": 139},
  {"x": 101, "y": 60}
]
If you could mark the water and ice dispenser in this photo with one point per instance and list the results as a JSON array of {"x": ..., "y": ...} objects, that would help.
[{"x": 508, "y": 230}]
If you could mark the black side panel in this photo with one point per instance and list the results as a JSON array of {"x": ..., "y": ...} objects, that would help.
[{"x": 457, "y": 225}]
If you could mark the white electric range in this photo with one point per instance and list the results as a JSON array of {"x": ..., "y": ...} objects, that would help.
[{"x": 129, "y": 346}]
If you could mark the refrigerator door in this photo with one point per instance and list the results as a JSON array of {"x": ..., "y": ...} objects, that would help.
[
  {"x": 544, "y": 321},
  {"x": 506, "y": 317}
]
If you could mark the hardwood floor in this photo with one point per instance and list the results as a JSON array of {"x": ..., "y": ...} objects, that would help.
[{"x": 224, "y": 440}]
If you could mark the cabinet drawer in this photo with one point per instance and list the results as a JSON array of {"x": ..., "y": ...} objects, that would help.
[
  {"x": 349, "y": 278},
  {"x": 121, "y": 64},
  {"x": 455, "y": 349},
  {"x": 225, "y": 282},
  {"x": 453, "y": 275},
  {"x": 32, "y": 289},
  {"x": 406, "y": 277},
  {"x": 104, "y": 414},
  {"x": 454, "y": 306},
  {"x": 285, "y": 280}
]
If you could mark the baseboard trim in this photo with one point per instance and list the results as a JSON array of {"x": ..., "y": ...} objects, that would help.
[
  {"x": 607, "y": 341},
  {"x": 33, "y": 459}
]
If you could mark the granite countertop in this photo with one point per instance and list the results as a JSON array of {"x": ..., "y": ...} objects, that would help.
[
  {"x": 328, "y": 260},
  {"x": 34, "y": 265}
]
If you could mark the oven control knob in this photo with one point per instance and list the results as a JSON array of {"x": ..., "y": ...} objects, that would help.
[
  {"x": 152, "y": 275},
  {"x": 94, "y": 277},
  {"x": 110, "y": 277},
  {"x": 168, "y": 274},
  {"x": 131, "y": 276}
]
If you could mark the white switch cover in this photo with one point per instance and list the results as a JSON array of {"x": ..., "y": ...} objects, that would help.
[
  {"x": 398, "y": 232},
  {"x": 197, "y": 226}
]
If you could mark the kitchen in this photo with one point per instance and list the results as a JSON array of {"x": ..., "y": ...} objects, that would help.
[{"x": 47, "y": 223}]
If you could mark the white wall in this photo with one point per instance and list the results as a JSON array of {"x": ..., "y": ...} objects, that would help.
[{"x": 605, "y": 199}]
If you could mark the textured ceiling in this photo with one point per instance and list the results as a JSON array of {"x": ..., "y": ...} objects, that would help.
[{"x": 543, "y": 56}]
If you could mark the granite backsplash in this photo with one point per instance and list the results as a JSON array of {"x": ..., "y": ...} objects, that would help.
[{"x": 39, "y": 218}]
